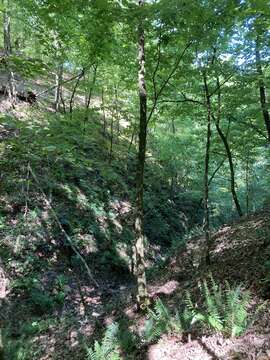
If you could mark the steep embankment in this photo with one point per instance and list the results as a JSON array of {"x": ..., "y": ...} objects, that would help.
[
  {"x": 59, "y": 176},
  {"x": 51, "y": 309},
  {"x": 240, "y": 254}
]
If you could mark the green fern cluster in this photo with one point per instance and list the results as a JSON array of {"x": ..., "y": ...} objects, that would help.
[
  {"x": 161, "y": 321},
  {"x": 108, "y": 348},
  {"x": 223, "y": 310}
]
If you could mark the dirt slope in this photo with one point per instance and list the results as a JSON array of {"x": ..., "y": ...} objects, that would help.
[{"x": 239, "y": 254}]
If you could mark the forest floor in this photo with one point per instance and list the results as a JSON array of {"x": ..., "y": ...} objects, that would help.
[
  {"x": 238, "y": 254},
  {"x": 62, "y": 328}
]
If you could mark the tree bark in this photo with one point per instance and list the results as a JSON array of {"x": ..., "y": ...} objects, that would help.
[
  {"x": 103, "y": 111},
  {"x": 206, "y": 222},
  {"x": 111, "y": 140},
  {"x": 247, "y": 184},
  {"x": 58, "y": 87},
  {"x": 228, "y": 152},
  {"x": 142, "y": 294},
  {"x": 91, "y": 92},
  {"x": 117, "y": 114},
  {"x": 262, "y": 90},
  {"x": 74, "y": 91},
  {"x": 2, "y": 357},
  {"x": 230, "y": 160},
  {"x": 8, "y": 50}
]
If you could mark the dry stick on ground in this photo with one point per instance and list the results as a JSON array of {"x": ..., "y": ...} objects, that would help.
[{"x": 73, "y": 246}]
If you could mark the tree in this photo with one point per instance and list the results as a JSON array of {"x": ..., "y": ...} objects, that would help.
[
  {"x": 206, "y": 224},
  {"x": 139, "y": 259},
  {"x": 11, "y": 90},
  {"x": 262, "y": 88}
]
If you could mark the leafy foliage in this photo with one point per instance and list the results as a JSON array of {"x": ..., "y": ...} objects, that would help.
[
  {"x": 108, "y": 347},
  {"x": 161, "y": 321},
  {"x": 223, "y": 310}
]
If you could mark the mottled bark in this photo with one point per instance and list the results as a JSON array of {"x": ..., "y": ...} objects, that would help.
[
  {"x": 103, "y": 111},
  {"x": 58, "y": 87},
  {"x": 262, "y": 90},
  {"x": 11, "y": 88},
  {"x": 206, "y": 222},
  {"x": 142, "y": 295},
  {"x": 232, "y": 174},
  {"x": 89, "y": 97},
  {"x": 1, "y": 346},
  {"x": 74, "y": 91},
  {"x": 228, "y": 152}
]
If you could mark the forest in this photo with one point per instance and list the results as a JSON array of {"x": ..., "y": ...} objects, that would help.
[{"x": 134, "y": 179}]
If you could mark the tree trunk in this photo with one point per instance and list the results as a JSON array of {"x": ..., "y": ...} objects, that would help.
[
  {"x": 58, "y": 87},
  {"x": 90, "y": 93},
  {"x": 206, "y": 222},
  {"x": 228, "y": 152},
  {"x": 142, "y": 294},
  {"x": 117, "y": 113},
  {"x": 103, "y": 112},
  {"x": 230, "y": 160},
  {"x": 111, "y": 140},
  {"x": 74, "y": 91},
  {"x": 262, "y": 89},
  {"x": 247, "y": 184},
  {"x": 8, "y": 50},
  {"x": 2, "y": 357}
]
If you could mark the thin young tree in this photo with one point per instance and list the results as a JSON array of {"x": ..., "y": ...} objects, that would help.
[
  {"x": 11, "y": 90},
  {"x": 225, "y": 142},
  {"x": 206, "y": 222},
  {"x": 139, "y": 261},
  {"x": 262, "y": 88}
]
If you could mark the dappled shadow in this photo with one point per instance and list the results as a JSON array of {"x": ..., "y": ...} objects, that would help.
[{"x": 83, "y": 190}]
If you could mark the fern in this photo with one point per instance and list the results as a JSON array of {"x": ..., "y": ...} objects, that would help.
[
  {"x": 223, "y": 310},
  {"x": 160, "y": 322},
  {"x": 108, "y": 348},
  {"x": 236, "y": 315}
]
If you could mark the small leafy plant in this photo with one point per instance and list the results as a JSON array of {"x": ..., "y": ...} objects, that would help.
[
  {"x": 223, "y": 310},
  {"x": 108, "y": 347},
  {"x": 161, "y": 321}
]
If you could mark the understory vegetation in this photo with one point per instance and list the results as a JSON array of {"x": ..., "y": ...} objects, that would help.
[{"x": 134, "y": 180}]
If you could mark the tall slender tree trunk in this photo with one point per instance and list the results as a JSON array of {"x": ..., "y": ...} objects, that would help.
[
  {"x": 173, "y": 173},
  {"x": 11, "y": 88},
  {"x": 262, "y": 89},
  {"x": 111, "y": 140},
  {"x": 74, "y": 91},
  {"x": 247, "y": 184},
  {"x": 230, "y": 160},
  {"x": 228, "y": 152},
  {"x": 90, "y": 92},
  {"x": 206, "y": 222},
  {"x": 58, "y": 87},
  {"x": 117, "y": 113},
  {"x": 103, "y": 111},
  {"x": 142, "y": 294}
]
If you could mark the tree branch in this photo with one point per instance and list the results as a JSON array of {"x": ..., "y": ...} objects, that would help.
[
  {"x": 64, "y": 82},
  {"x": 217, "y": 169},
  {"x": 158, "y": 93}
]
